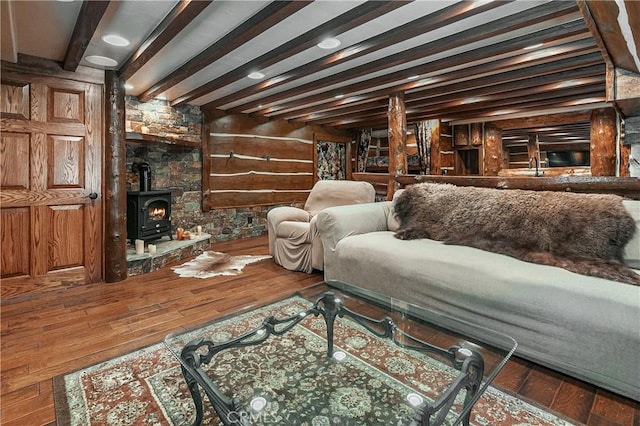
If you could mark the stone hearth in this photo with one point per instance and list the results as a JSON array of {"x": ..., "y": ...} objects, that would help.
[{"x": 167, "y": 252}]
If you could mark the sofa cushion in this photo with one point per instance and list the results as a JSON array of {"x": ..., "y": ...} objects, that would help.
[{"x": 583, "y": 233}]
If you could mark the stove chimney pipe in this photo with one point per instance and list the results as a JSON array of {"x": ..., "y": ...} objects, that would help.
[{"x": 144, "y": 170}]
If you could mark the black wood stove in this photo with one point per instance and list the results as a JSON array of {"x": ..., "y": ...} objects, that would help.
[
  {"x": 148, "y": 215},
  {"x": 148, "y": 212}
]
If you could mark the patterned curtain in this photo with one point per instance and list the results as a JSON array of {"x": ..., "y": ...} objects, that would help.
[
  {"x": 423, "y": 140},
  {"x": 363, "y": 142}
]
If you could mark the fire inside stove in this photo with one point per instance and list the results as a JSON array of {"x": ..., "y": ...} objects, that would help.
[{"x": 157, "y": 213}]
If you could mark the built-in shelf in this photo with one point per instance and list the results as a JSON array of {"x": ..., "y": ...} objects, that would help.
[{"x": 134, "y": 137}]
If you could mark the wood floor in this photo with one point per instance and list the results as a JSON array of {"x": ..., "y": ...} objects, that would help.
[{"x": 63, "y": 331}]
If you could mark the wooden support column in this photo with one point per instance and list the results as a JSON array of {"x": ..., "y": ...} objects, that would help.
[
  {"x": 435, "y": 168},
  {"x": 493, "y": 152},
  {"x": 115, "y": 180},
  {"x": 532, "y": 147},
  {"x": 397, "y": 117},
  {"x": 603, "y": 142}
]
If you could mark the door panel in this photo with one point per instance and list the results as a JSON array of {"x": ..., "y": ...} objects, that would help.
[
  {"x": 15, "y": 241},
  {"x": 15, "y": 160},
  {"x": 15, "y": 100},
  {"x": 51, "y": 157},
  {"x": 65, "y": 106},
  {"x": 66, "y": 235},
  {"x": 66, "y": 162}
]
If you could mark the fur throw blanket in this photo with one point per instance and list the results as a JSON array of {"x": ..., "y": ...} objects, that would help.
[{"x": 583, "y": 233}]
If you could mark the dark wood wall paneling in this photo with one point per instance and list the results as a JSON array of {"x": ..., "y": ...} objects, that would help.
[{"x": 254, "y": 161}]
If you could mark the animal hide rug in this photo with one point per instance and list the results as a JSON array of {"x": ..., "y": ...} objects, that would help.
[
  {"x": 212, "y": 263},
  {"x": 583, "y": 233}
]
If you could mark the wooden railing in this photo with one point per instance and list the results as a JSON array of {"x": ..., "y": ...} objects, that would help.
[{"x": 628, "y": 187}]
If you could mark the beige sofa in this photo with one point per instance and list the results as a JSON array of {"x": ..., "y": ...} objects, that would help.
[{"x": 583, "y": 326}]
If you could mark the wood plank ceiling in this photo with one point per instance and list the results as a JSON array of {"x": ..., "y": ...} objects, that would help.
[{"x": 457, "y": 61}]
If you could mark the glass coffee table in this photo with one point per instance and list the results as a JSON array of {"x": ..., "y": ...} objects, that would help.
[{"x": 337, "y": 354}]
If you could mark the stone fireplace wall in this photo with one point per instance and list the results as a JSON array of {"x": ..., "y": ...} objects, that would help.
[{"x": 179, "y": 168}]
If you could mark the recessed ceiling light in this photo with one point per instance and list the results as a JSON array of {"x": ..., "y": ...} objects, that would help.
[
  {"x": 339, "y": 96},
  {"x": 115, "y": 40},
  {"x": 161, "y": 97},
  {"x": 256, "y": 75},
  {"x": 128, "y": 86},
  {"x": 329, "y": 43},
  {"x": 413, "y": 77},
  {"x": 101, "y": 60}
]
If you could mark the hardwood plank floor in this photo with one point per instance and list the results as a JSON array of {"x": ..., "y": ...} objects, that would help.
[{"x": 62, "y": 331}]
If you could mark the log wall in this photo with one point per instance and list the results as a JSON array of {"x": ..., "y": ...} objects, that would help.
[{"x": 257, "y": 162}]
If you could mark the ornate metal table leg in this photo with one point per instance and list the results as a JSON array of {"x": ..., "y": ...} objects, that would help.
[
  {"x": 195, "y": 395},
  {"x": 474, "y": 367},
  {"x": 331, "y": 308}
]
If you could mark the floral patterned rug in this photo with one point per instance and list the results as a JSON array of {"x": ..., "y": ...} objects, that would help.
[{"x": 300, "y": 385}]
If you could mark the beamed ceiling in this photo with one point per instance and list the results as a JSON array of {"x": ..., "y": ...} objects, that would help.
[{"x": 457, "y": 61}]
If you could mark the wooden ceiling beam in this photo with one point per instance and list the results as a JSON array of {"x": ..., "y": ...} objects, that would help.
[
  {"x": 478, "y": 115},
  {"x": 88, "y": 19},
  {"x": 433, "y": 21},
  {"x": 562, "y": 79},
  {"x": 488, "y": 113},
  {"x": 605, "y": 18},
  {"x": 177, "y": 20},
  {"x": 439, "y": 70},
  {"x": 545, "y": 120},
  {"x": 332, "y": 110},
  {"x": 513, "y": 98},
  {"x": 261, "y": 21},
  {"x": 486, "y": 74},
  {"x": 526, "y": 87},
  {"x": 459, "y": 91},
  {"x": 349, "y": 20},
  {"x": 551, "y": 10},
  {"x": 506, "y": 101}
]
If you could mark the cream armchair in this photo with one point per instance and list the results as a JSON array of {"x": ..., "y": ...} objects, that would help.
[{"x": 294, "y": 241}]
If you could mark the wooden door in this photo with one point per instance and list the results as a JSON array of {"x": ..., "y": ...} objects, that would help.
[{"x": 50, "y": 172}]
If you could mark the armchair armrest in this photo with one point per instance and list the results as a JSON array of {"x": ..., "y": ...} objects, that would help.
[
  {"x": 336, "y": 223},
  {"x": 281, "y": 214}
]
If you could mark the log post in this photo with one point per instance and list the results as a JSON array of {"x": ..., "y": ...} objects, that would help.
[
  {"x": 532, "y": 147},
  {"x": 493, "y": 152},
  {"x": 435, "y": 168},
  {"x": 116, "y": 180},
  {"x": 475, "y": 134},
  {"x": 397, "y": 118},
  {"x": 603, "y": 142},
  {"x": 461, "y": 135},
  {"x": 625, "y": 153}
]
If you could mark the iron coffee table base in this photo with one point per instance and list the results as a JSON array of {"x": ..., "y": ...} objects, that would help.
[{"x": 468, "y": 362}]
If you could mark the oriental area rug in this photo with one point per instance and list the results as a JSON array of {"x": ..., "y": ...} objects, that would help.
[{"x": 292, "y": 372}]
